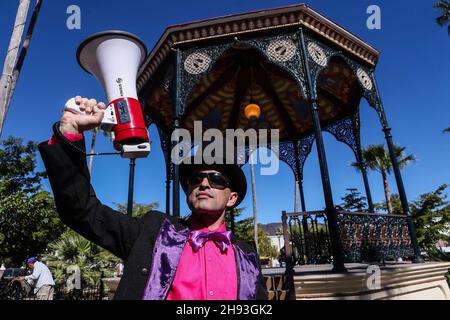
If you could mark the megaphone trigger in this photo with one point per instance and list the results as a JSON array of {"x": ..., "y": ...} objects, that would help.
[{"x": 72, "y": 106}]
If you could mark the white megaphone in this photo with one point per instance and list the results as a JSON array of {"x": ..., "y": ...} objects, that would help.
[{"x": 114, "y": 58}]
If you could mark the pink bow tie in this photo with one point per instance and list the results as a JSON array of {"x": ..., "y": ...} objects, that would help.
[{"x": 221, "y": 239}]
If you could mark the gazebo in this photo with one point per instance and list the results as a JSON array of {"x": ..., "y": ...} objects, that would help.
[{"x": 308, "y": 75}]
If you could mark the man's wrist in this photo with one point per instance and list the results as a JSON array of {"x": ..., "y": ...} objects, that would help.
[{"x": 67, "y": 128}]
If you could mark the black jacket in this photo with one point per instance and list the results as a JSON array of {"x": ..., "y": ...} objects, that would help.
[{"x": 150, "y": 246}]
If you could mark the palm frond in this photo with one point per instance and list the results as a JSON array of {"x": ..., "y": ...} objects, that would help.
[
  {"x": 357, "y": 165},
  {"x": 442, "y": 4},
  {"x": 444, "y": 18},
  {"x": 73, "y": 249}
]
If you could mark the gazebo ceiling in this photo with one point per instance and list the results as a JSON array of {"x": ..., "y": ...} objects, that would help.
[{"x": 243, "y": 74}]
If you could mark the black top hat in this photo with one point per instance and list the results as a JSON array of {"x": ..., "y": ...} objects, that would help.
[{"x": 230, "y": 169}]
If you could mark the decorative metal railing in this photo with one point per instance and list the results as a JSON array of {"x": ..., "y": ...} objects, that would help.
[
  {"x": 365, "y": 237},
  {"x": 309, "y": 236},
  {"x": 374, "y": 237}
]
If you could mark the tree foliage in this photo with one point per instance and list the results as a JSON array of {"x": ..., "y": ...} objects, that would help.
[
  {"x": 444, "y": 19},
  {"x": 28, "y": 224},
  {"x": 17, "y": 167},
  {"x": 243, "y": 229},
  {"x": 139, "y": 209},
  {"x": 377, "y": 158},
  {"x": 28, "y": 219},
  {"x": 432, "y": 218},
  {"x": 395, "y": 203},
  {"x": 237, "y": 212},
  {"x": 431, "y": 215},
  {"x": 72, "y": 249},
  {"x": 266, "y": 249},
  {"x": 353, "y": 201}
]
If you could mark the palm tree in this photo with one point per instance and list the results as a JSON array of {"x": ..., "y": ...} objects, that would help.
[
  {"x": 255, "y": 224},
  {"x": 73, "y": 249},
  {"x": 444, "y": 19},
  {"x": 139, "y": 209},
  {"x": 377, "y": 158}
]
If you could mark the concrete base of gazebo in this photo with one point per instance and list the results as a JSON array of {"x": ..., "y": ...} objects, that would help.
[
  {"x": 404, "y": 281},
  {"x": 400, "y": 281}
]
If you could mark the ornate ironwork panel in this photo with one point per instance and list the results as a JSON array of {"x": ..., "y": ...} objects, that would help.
[
  {"x": 285, "y": 152},
  {"x": 366, "y": 80},
  {"x": 374, "y": 100},
  {"x": 288, "y": 156},
  {"x": 195, "y": 63},
  {"x": 305, "y": 147},
  {"x": 364, "y": 237},
  {"x": 374, "y": 237},
  {"x": 283, "y": 51},
  {"x": 344, "y": 131},
  {"x": 319, "y": 55},
  {"x": 356, "y": 121}
]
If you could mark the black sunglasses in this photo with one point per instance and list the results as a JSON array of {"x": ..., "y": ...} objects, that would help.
[{"x": 216, "y": 180}]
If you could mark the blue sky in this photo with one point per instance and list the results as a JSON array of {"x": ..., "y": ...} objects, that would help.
[{"x": 413, "y": 75}]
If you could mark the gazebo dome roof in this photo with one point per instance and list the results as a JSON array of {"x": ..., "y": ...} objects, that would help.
[{"x": 218, "y": 96}]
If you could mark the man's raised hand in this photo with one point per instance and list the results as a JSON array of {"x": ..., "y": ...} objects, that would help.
[{"x": 90, "y": 117}]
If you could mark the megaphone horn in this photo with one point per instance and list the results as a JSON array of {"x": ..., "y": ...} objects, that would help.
[{"x": 114, "y": 58}]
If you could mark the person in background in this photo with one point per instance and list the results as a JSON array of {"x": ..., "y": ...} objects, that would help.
[
  {"x": 2, "y": 270},
  {"x": 118, "y": 272},
  {"x": 42, "y": 278}
]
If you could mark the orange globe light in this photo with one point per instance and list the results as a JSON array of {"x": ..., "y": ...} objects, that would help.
[{"x": 252, "y": 111}]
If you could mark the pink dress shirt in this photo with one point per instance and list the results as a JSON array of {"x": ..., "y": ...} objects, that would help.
[
  {"x": 70, "y": 136},
  {"x": 207, "y": 274}
]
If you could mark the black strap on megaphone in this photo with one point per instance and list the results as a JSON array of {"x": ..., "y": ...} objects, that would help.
[
  {"x": 104, "y": 154},
  {"x": 61, "y": 136}
]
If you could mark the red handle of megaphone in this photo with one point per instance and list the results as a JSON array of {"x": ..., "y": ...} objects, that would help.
[{"x": 130, "y": 126}]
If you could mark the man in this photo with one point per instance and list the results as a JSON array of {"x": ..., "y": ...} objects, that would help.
[
  {"x": 165, "y": 257},
  {"x": 42, "y": 279}
]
